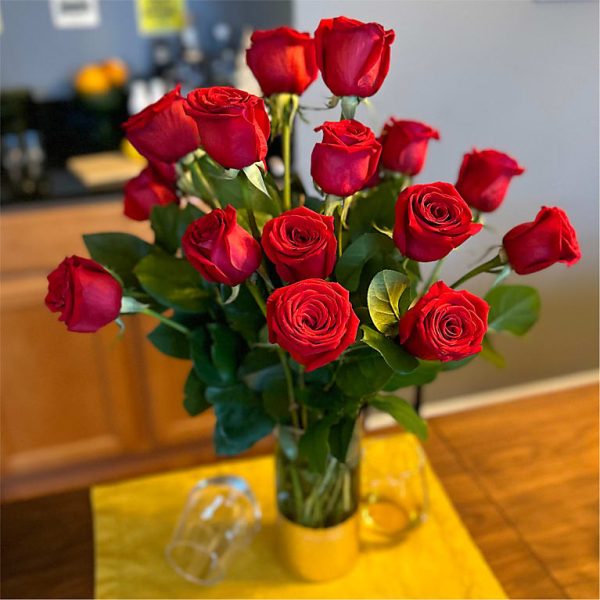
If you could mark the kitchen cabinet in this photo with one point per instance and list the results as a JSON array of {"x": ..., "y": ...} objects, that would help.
[{"x": 81, "y": 408}]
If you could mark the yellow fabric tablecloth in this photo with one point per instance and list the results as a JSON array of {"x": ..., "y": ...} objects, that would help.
[{"x": 134, "y": 520}]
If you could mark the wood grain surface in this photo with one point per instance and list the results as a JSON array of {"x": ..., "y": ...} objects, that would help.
[{"x": 522, "y": 475}]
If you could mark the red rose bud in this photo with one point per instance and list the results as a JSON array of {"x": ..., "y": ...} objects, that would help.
[
  {"x": 234, "y": 126},
  {"x": 313, "y": 320},
  {"x": 431, "y": 220},
  {"x": 219, "y": 249},
  {"x": 144, "y": 192},
  {"x": 85, "y": 293},
  {"x": 282, "y": 60},
  {"x": 163, "y": 131},
  {"x": 445, "y": 324},
  {"x": 534, "y": 246},
  {"x": 346, "y": 159},
  {"x": 484, "y": 177},
  {"x": 353, "y": 57},
  {"x": 301, "y": 244},
  {"x": 404, "y": 145},
  {"x": 163, "y": 171}
]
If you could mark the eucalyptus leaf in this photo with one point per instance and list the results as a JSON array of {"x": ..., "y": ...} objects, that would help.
[
  {"x": 394, "y": 355},
  {"x": 402, "y": 412},
  {"x": 383, "y": 299},
  {"x": 513, "y": 308}
]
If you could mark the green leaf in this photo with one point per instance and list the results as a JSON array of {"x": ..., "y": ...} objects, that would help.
[
  {"x": 200, "y": 344},
  {"x": 513, "y": 308},
  {"x": 402, "y": 412},
  {"x": 244, "y": 316},
  {"x": 394, "y": 355},
  {"x": 340, "y": 436},
  {"x": 226, "y": 350},
  {"x": 194, "y": 401},
  {"x": 425, "y": 373},
  {"x": 241, "y": 420},
  {"x": 324, "y": 400},
  {"x": 383, "y": 298},
  {"x": 131, "y": 306},
  {"x": 314, "y": 445},
  {"x": 275, "y": 397},
  {"x": 173, "y": 282},
  {"x": 354, "y": 258},
  {"x": 374, "y": 208},
  {"x": 165, "y": 224},
  {"x": 254, "y": 176},
  {"x": 489, "y": 353},
  {"x": 170, "y": 341},
  {"x": 363, "y": 372},
  {"x": 258, "y": 359},
  {"x": 120, "y": 252}
]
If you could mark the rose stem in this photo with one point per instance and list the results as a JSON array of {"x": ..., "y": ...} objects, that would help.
[
  {"x": 497, "y": 261},
  {"x": 435, "y": 274},
  {"x": 253, "y": 289},
  {"x": 177, "y": 326},
  {"x": 288, "y": 124}
]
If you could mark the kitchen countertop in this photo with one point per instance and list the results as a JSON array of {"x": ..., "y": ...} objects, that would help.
[{"x": 523, "y": 476}]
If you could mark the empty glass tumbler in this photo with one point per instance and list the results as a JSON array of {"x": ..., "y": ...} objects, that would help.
[{"x": 220, "y": 518}]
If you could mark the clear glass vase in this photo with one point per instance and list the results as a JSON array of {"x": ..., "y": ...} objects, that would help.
[{"x": 318, "y": 510}]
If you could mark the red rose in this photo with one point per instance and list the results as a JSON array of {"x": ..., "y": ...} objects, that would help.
[
  {"x": 234, "y": 126},
  {"x": 404, "y": 145},
  {"x": 484, "y": 177},
  {"x": 313, "y": 320},
  {"x": 144, "y": 192},
  {"x": 163, "y": 171},
  {"x": 353, "y": 57},
  {"x": 301, "y": 244},
  {"x": 346, "y": 159},
  {"x": 431, "y": 220},
  {"x": 163, "y": 131},
  {"x": 445, "y": 324},
  {"x": 85, "y": 293},
  {"x": 534, "y": 246},
  {"x": 219, "y": 249},
  {"x": 282, "y": 60}
]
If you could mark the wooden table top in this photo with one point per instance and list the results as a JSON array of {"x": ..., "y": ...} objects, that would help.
[{"x": 523, "y": 476}]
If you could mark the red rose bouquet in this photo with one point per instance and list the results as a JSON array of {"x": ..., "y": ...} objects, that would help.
[{"x": 298, "y": 309}]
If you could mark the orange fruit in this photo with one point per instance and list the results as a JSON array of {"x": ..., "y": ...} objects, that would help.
[
  {"x": 92, "y": 80},
  {"x": 116, "y": 71}
]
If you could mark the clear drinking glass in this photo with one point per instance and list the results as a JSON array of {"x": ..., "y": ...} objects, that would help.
[
  {"x": 396, "y": 500},
  {"x": 220, "y": 518}
]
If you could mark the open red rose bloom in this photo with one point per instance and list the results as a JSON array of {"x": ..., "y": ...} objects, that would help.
[{"x": 299, "y": 306}]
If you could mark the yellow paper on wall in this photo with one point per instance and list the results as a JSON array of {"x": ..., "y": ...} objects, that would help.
[{"x": 156, "y": 17}]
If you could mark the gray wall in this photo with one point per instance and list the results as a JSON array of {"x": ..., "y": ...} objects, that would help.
[
  {"x": 35, "y": 55},
  {"x": 521, "y": 77}
]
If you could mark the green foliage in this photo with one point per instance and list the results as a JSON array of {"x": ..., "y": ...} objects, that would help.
[
  {"x": 120, "y": 252},
  {"x": 425, "y": 373},
  {"x": 172, "y": 282},
  {"x": 383, "y": 298},
  {"x": 194, "y": 401},
  {"x": 244, "y": 316},
  {"x": 368, "y": 248},
  {"x": 314, "y": 444},
  {"x": 374, "y": 208},
  {"x": 402, "y": 412},
  {"x": 394, "y": 355},
  {"x": 241, "y": 419},
  {"x": 170, "y": 341},
  {"x": 513, "y": 308},
  {"x": 340, "y": 436},
  {"x": 275, "y": 396},
  {"x": 363, "y": 372},
  {"x": 216, "y": 354},
  {"x": 489, "y": 353},
  {"x": 169, "y": 224}
]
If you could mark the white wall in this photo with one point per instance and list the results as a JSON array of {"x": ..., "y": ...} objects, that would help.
[{"x": 520, "y": 76}]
